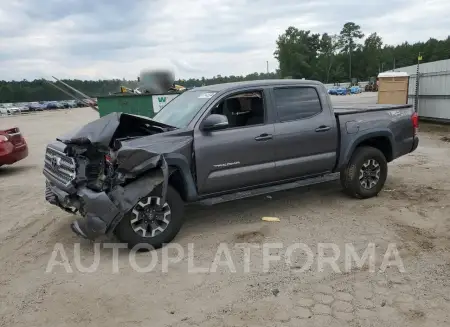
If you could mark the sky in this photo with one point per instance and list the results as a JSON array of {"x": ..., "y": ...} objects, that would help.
[{"x": 103, "y": 39}]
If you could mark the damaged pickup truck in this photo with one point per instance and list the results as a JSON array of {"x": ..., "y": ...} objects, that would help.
[{"x": 131, "y": 175}]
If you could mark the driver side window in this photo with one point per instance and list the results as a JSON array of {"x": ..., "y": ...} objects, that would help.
[{"x": 242, "y": 109}]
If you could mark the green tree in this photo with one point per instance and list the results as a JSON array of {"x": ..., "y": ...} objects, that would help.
[
  {"x": 372, "y": 54},
  {"x": 349, "y": 35},
  {"x": 297, "y": 52},
  {"x": 329, "y": 44}
]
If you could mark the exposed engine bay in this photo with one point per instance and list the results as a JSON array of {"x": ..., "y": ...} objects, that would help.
[{"x": 102, "y": 169}]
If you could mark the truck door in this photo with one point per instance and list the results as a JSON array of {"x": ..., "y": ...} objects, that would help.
[
  {"x": 306, "y": 137},
  {"x": 241, "y": 155}
]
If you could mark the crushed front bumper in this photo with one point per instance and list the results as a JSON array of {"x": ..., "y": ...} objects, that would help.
[
  {"x": 97, "y": 209},
  {"x": 100, "y": 211}
]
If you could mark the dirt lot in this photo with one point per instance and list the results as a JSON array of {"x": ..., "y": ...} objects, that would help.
[{"x": 413, "y": 212}]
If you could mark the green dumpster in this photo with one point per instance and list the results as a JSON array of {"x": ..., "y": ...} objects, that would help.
[{"x": 136, "y": 104}]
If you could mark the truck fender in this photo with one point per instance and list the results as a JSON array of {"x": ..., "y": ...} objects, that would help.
[
  {"x": 363, "y": 138},
  {"x": 179, "y": 163},
  {"x": 126, "y": 197}
]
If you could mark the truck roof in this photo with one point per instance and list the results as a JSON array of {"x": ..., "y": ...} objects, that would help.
[{"x": 257, "y": 83}]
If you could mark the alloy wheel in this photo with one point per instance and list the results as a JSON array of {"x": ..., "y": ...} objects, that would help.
[
  {"x": 369, "y": 174},
  {"x": 149, "y": 219}
]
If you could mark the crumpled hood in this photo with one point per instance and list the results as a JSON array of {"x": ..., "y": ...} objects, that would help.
[
  {"x": 135, "y": 155},
  {"x": 98, "y": 132},
  {"x": 101, "y": 131}
]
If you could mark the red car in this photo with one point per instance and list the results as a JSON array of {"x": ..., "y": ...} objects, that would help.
[{"x": 13, "y": 146}]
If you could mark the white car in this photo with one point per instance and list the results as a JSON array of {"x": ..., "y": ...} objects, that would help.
[
  {"x": 5, "y": 108},
  {"x": 16, "y": 108},
  {"x": 4, "y": 111}
]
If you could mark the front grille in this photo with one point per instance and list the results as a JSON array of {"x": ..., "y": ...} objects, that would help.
[{"x": 60, "y": 166}]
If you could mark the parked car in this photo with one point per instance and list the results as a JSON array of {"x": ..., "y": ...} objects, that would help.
[
  {"x": 35, "y": 106},
  {"x": 72, "y": 103},
  {"x": 13, "y": 146},
  {"x": 355, "y": 90},
  {"x": 52, "y": 105},
  {"x": 333, "y": 90},
  {"x": 80, "y": 104},
  {"x": 131, "y": 175},
  {"x": 12, "y": 108},
  {"x": 341, "y": 91},
  {"x": 23, "y": 107},
  {"x": 4, "y": 110},
  {"x": 63, "y": 105},
  {"x": 44, "y": 104}
]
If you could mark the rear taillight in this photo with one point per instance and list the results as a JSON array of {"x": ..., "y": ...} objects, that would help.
[
  {"x": 4, "y": 139},
  {"x": 415, "y": 122}
]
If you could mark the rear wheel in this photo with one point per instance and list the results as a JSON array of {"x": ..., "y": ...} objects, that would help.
[
  {"x": 150, "y": 224},
  {"x": 366, "y": 173}
]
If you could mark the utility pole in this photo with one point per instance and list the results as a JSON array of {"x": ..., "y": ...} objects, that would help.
[
  {"x": 416, "y": 99},
  {"x": 394, "y": 64},
  {"x": 267, "y": 64}
]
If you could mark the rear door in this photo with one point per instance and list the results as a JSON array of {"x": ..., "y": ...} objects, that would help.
[
  {"x": 236, "y": 157},
  {"x": 305, "y": 133}
]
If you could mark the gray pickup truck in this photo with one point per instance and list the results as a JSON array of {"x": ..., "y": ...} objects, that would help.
[{"x": 131, "y": 175}]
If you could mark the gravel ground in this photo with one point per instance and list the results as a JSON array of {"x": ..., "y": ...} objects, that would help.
[{"x": 412, "y": 212}]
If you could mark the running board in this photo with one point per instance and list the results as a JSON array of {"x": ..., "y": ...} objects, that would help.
[{"x": 269, "y": 189}]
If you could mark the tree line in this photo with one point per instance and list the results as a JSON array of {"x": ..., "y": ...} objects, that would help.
[
  {"x": 343, "y": 56},
  {"x": 300, "y": 53}
]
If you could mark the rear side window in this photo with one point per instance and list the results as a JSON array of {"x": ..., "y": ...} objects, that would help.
[{"x": 297, "y": 103}]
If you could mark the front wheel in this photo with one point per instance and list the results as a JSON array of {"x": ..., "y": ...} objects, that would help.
[
  {"x": 365, "y": 174},
  {"x": 150, "y": 224}
]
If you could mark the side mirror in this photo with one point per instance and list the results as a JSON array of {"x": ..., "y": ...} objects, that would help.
[{"x": 214, "y": 122}]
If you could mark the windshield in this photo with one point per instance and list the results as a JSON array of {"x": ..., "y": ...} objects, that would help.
[{"x": 180, "y": 111}]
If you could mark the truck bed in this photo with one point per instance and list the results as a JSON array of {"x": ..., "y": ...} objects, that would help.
[
  {"x": 360, "y": 108},
  {"x": 359, "y": 121}
]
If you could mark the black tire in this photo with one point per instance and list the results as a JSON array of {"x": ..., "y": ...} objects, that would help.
[
  {"x": 350, "y": 176},
  {"x": 126, "y": 234}
]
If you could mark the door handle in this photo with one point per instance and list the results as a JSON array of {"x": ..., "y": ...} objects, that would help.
[
  {"x": 323, "y": 128},
  {"x": 264, "y": 137}
]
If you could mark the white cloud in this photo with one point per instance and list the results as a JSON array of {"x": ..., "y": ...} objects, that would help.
[{"x": 116, "y": 39}]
